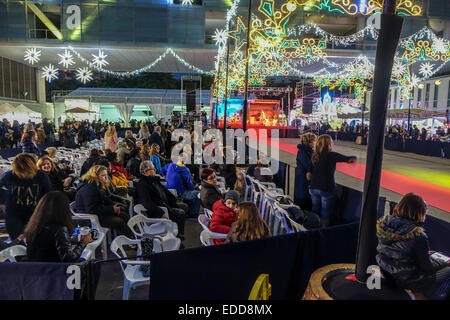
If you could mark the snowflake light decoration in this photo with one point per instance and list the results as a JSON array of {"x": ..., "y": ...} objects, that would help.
[
  {"x": 66, "y": 59},
  {"x": 220, "y": 36},
  {"x": 439, "y": 45},
  {"x": 398, "y": 69},
  {"x": 84, "y": 75},
  {"x": 187, "y": 2},
  {"x": 414, "y": 81},
  {"x": 100, "y": 60},
  {"x": 32, "y": 55},
  {"x": 426, "y": 69},
  {"x": 49, "y": 73}
]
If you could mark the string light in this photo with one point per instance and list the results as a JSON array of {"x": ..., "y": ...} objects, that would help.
[
  {"x": 32, "y": 55},
  {"x": 49, "y": 73}
]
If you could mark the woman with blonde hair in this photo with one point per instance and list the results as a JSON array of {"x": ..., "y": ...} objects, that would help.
[
  {"x": 323, "y": 186},
  {"x": 129, "y": 136},
  {"x": 59, "y": 179},
  {"x": 111, "y": 139},
  {"x": 144, "y": 133},
  {"x": 249, "y": 224},
  {"x": 145, "y": 152},
  {"x": 52, "y": 154},
  {"x": 304, "y": 154},
  {"x": 92, "y": 198},
  {"x": 29, "y": 140},
  {"x": 154, "y": 157},
  {"x": 26, "y": 185}
]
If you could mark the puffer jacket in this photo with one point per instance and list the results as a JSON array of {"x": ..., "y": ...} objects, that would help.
[
  {"x": 403, "y": 252},
  {"x": 53, "y": 244},
  {"x": 222, "y": 219},
  {"x": 91, "y": 199}
]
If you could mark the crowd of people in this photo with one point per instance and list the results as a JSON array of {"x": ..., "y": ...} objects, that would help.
[{"x": 42, "y": 191}]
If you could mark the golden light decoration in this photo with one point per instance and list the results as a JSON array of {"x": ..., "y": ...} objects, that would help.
[{"x": 306, "y": 48}]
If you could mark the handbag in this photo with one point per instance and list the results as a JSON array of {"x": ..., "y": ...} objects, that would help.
[{"x": 147, "y": 250}]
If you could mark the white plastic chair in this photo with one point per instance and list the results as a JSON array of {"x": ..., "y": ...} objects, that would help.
[
  {"x": 204, "y": 221},
  {"x": 132, "y": 275},
  {"x": 174, "y": 192},
  {"x": 95, "y": 224},
  {"x": 91, "y": 247},
  {"x": 208, "y": 213},
  {"x": 10, "y": 254},
  {"x": 296, "y": 227},
  {"x": 206, "y": 237},
  {"x": 169, "y": 225}
]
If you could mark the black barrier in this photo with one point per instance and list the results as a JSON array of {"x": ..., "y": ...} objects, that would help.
[{"x": 228, "y": 271}]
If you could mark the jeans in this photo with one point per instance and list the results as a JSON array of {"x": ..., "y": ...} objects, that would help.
[
  {"x": 323, "y": 203},
  {"x": 192, "y": 195}
]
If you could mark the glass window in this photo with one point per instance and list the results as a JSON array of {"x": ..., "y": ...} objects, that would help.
[
  {"x": 436, "y": 96},
  {"x": 427, "y": 95}
]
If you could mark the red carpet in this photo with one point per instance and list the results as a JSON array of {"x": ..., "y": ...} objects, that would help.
[{"x": 433, "y": 194}]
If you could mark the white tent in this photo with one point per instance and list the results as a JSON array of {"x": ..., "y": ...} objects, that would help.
[
  {"x": 6, "y": 108},
  {"x": 24, "y": 109}
]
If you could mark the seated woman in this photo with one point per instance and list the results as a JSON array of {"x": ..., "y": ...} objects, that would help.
[
  {"x": 29, "y": 140},
  {"x": 91, "y": 198},
  {"x": 48, "y": 233},
  {"x": 224, "y": 214},
  {"x": 403, "y": 251},
  {"x": 155, "y": 158},
  {"x": 152, "y": 195},
  {"x": 129, "y": 135},
  {"x": 145, "y": 152},
  {"x": 209, "y": 193},
  {"x": 249, "y": 225},
  {"x": 134, "y": 163},
  {"x": 118, "y": 173},
  {"x": 59, "y": 179},
  {"x": 94, "y": 155}
]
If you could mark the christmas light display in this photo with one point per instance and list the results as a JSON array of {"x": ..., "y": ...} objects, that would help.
[
  {"x": 49, "y": 73},
  {"x": 66, "y": 59},
  {"x": 84, "y": 75},
  {"x": 100, "y": 60},
  {"x": 32, "y": 55}
]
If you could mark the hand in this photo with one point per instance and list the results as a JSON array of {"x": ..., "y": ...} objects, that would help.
[
  {"x": 86, "y": 239},
  {"x": 352, "y": 160},
  {"x": 67, "y": 181},
  {"x": 116, "y": 208}
]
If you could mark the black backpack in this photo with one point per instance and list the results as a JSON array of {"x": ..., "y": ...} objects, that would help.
[{"x": 147, "y": 250}]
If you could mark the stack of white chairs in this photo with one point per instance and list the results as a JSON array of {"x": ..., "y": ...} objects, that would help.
[{"x": 9, "y": 254}]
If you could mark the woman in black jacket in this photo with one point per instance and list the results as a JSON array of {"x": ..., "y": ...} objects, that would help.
[
  {"x": 29, "y": 140},
  {"x": 152, "y": 195},
  {"x": 94, "y": 155},
  {"x": 209, "y": 193},
  {"x": 304, "y": 154},
  {"x": 403, "y": 251},
  {"x": 26, "y": 185},
  {"x": 59, "y": 179},
  {"x": 323, "y": 186},
  {"x": 48, "y": 233},
  {"x": 91, "y": 198}
]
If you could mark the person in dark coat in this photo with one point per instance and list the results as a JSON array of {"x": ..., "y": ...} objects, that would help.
[
  {"x": 134, "y": 163},
  {"x": 94, "y": 155},
  {"x": 59, "y": 179},
  {"x": 153, "y": 195},
  {"x": 224, "y": 214},
  {"x": 155, "y": 137},
  {"x": 29, "y": 143},
  {"x": 209, "y": 193},
  {"x": 91, "y": 198},
  {"x": 302, "y": 197},
  {"x": 323, "y": 186},
  {"x": 26, "y": 185},
  {"x": 48, "y": 233},
  {"x": 403, "y": 252}
]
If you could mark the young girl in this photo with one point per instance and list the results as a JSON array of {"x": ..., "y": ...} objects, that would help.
[
  {"x": 249, "y": 225},
  {"x": 403, "y": 251}
]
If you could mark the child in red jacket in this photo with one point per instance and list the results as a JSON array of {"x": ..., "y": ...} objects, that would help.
[{"x": 224, "y": 214}]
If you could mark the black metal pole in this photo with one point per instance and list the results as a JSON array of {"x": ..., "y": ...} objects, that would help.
[
  {"x": 391, "y": 26},
  {"x": 226, "y": 92},
  {"x": 249, "y": 27},
  {"x": 409, "y": 117}
]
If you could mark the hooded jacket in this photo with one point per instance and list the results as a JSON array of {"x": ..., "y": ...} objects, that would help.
[
  {"x": 403, "y": 252},
  {"x": 29, "y": 146},
  {"x": 91, "y": 199},
  {"x": 222, "y": 219},
  {"x": 173, "y": 173},
  {"x": 209, "y": 195}
]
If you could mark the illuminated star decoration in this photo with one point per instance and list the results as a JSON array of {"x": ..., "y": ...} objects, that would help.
[
  {"x": 32, "y": 55},
  {"x": 398, "y": 69},
  {"x": 49, "y": 73},
  {"x": 99, "y": 60},
  {"x": 66, "y": 59},
  {"x": 426, "y": 69},
  {"x": 220, "y": 36},
  {"x": 84, "y": 75},
  {"x": 187, "y": 2}
]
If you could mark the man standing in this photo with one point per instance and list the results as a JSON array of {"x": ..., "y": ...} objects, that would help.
[{"x": 156, "y": 138}]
